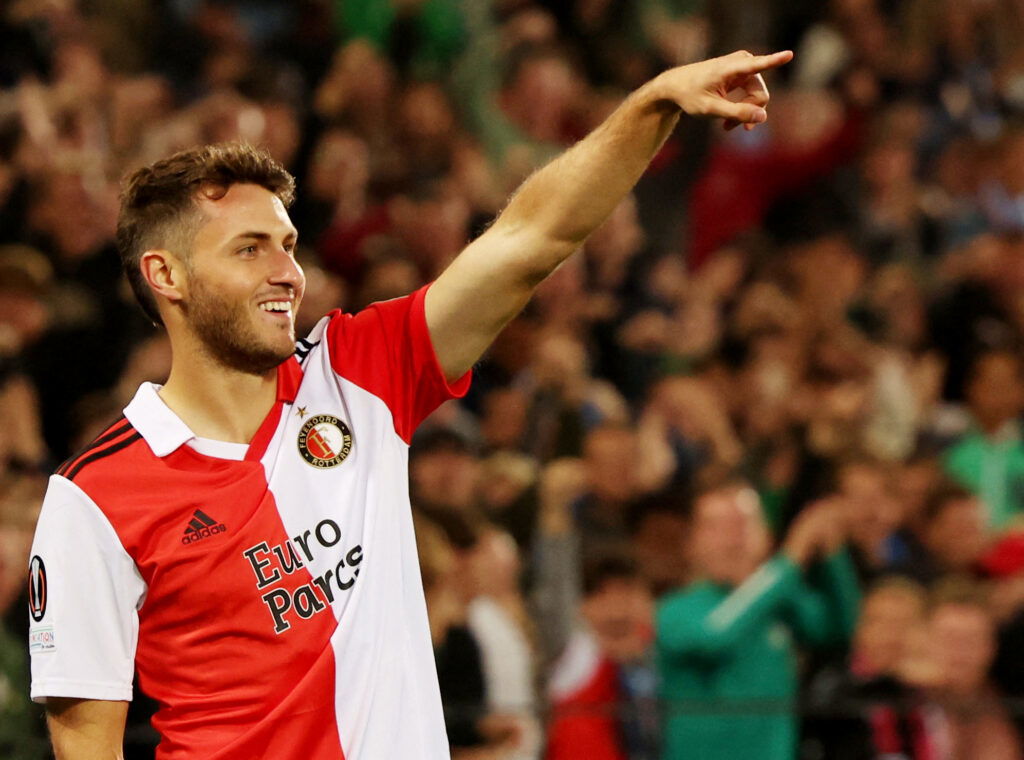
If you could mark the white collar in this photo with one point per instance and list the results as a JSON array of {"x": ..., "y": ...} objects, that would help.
[
  {"x": 161, "y": 428},
  {"x": 164, "y": 431}
]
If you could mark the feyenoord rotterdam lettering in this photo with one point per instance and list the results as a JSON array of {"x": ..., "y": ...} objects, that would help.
[
  {"x": 325, "y": 441},
  {"x": 271, "y": 563}
]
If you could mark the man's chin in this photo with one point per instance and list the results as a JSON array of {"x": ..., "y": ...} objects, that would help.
[
  {"x": 280, "y": 354},
  {"x": 256, "y": 360}
]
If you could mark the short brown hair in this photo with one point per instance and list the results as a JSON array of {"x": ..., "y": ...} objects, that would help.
[{"x": 158, "y": 202}]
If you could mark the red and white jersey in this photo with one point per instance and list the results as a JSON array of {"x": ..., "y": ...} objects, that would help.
[{"x": 269, "y": 595}]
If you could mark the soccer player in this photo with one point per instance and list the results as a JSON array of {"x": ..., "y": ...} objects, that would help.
[{"x": 242, "y": 536}]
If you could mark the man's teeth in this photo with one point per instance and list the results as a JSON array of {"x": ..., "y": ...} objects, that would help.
[{"x": 276, "y": 306}]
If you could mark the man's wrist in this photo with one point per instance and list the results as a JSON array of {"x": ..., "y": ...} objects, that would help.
[{"x": 656, "y": 96}]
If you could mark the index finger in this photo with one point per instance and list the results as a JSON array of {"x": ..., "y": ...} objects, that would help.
[{"x": 755, "y": 64}]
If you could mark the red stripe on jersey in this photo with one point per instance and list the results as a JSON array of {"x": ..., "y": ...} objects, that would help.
[
  {"x": 289, "y": 378},
  {"x": 383, "y": 349},
  {"x": 302, "y": 726},
  {"x": 260, "y": 441}
]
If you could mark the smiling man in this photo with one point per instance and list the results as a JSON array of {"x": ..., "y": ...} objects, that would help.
[{"x": 242, "y": 536}]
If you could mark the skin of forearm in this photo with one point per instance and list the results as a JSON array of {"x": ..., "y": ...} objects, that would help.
[
  {"x": 570, "y": 197},
  {"x": 70, "y": 744},
  {"x": 86, "y": 729}
]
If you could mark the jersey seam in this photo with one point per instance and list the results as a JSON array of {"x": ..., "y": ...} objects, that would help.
[
  {"x": 107, "y": 526},
  {"x": 110, "y": 433},
  {"x": 338, "y": 377},
  {"x": 79, "y": 682},
  {"x": 103, "y": 453},
  {"x": 48, "y": 687}
]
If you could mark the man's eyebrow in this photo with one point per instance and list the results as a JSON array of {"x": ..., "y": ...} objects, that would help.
[{"x": 255, "y": 235}]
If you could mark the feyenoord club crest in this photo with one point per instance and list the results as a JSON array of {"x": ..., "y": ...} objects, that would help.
[
  {"x": 325, "y": 441},
  {"x": 37, "y": 588}
]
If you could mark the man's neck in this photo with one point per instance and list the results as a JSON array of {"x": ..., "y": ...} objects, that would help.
[{"x": 218, "y": 402}]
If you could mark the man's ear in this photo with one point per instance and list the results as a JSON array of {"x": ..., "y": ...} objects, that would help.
[{"x": 165, "y": 274}]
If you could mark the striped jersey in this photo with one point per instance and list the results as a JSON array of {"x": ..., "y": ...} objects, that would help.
[{"x": 268, "y": 595}]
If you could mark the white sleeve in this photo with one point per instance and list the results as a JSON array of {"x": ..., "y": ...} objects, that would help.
[{"x": 84, "y": 596}]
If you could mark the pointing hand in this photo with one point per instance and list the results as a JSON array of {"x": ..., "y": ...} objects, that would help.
[{"x": 730, "y": 87}]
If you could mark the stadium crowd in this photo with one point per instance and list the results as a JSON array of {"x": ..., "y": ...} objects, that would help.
[{"x": 746, "y": 479}]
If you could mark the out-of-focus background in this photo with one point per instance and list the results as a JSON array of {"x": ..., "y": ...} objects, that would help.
[{"x": 745, "y": 480}]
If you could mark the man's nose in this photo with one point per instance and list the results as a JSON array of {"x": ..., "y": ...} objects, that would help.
[{"x": 286, "y": 271}]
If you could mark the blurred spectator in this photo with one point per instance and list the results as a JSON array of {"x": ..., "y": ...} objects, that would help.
[
  {"x": 863, "y": 709},
  {"x": 872, "y": 513},
  {"x": 726, "y": 649},
  {"x": 832, "y": 305},
  {"x": 498, "y": 619},
  {"x": 962, "y": 632},
  {"x": 602, "y": 685},
  {"x": 473, "y": 732},
  {"x": 658, "y": 528},
  {"x": 459, "y": 670},
  {"x": 811, "y": 136},
  {"x": 508, "y": 495},
  {"x": 422, "y": 37},
  {"x": 989, "y": 459},
  {"x": 443, "y": 473},
  {"x": 977, "y": 311},
  {"x": 953, "y": 539},
  {"x": 22, "y": 730},
  {"x": 613, "y": 459}
]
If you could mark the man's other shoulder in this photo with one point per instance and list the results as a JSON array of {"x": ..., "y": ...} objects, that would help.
[{"x": 113, "y": 451}]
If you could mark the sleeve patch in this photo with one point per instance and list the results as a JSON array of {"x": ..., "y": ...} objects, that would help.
[
  {"x": 41, "y": 639},
  {"x": 37, "y": 590}
]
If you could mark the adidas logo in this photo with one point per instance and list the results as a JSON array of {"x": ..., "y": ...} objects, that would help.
[{"x": 201, "y": 526}]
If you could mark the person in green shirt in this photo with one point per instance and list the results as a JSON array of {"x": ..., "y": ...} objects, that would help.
[
  {"x": 726, "y": 645},
  {"x": 424, "y": 37},
  {"x": 989, "y": 458}
]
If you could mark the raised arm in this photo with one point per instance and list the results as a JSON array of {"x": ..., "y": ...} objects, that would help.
[
  {"x": 559, "y": 206},
  {"x": 86, "y": 729}
]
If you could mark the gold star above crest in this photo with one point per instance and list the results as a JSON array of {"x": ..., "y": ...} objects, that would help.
[{"x": 301, "y": 411}]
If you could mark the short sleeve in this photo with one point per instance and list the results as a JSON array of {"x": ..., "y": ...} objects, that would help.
[
  {"x": 84, "y": 596},
  {"x": 386, "y": 350}
]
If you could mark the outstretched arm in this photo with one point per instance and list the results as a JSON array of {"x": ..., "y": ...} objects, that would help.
[{"x": 559, "y": 206}]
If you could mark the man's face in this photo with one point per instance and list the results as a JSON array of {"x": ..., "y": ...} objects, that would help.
[
  {"x": 244, "y": 285},
  {"x": 872, "y": 510},
  {"x": 915, "y": 483},
  {"x": 994, "y": 391},
  {"x": 728, "y": 538},
  {"x": 610, "y": 456},
  {"x": 620, "y": 613},
  {"x": 957, "y": 536},
  {"x": 880, "y": 639},
  {"x": 964, "y": 645}
]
